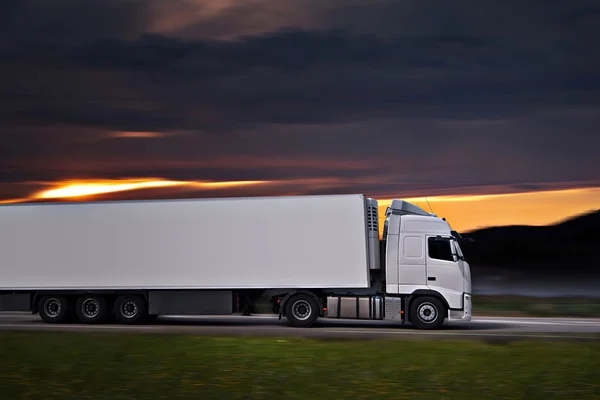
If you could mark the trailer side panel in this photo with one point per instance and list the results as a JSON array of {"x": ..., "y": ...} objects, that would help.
[{"x": 274, "y": 242}]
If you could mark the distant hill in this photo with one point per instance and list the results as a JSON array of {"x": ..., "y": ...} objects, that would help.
[{"x": 572, "y": 245}]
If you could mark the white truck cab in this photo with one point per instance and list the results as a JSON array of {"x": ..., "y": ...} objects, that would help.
[
  {"x": 420, "y": 276},
  {"x": 423, "y": 256}
]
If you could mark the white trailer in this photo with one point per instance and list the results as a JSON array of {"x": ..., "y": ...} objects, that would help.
[{"x": 314, "y": 256}]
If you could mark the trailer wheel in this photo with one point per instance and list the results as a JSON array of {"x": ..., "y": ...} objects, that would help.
[
  {"x": 130, "y": 309},
  {"x": 53, "y": 309},
  {"x": 301, "y": 310},
  {"x": 91, "y": 309},
  {"x": 427, "y": 312}
]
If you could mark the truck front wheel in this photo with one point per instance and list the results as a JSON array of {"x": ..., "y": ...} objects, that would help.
[
  {"x": 427, "y": 313},
  {"x": 301, "y": 310}
]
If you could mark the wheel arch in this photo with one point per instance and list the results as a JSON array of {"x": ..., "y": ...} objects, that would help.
[{"x": 428, "y": 292}]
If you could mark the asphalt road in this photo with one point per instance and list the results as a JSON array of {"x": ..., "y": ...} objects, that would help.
[{"x": 486, "y": 328}]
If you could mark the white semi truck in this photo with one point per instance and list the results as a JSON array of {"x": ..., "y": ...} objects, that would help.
[{"x": 312, "y": 256}]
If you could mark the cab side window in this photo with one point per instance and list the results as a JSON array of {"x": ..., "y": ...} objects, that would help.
[{"x": 440, "y": 249}]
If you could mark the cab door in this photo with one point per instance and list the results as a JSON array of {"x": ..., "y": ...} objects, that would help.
[{"x": 444, "y": 273}]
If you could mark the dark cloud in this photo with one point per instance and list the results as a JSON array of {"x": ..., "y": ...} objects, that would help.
[
  {"x": 288, "y": 77},
  {"x": 419, "y": 94},
  {"x": 71, "y": 21}
]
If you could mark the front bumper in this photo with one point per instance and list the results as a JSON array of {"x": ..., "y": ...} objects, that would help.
[{"x": 465, "y": 313}]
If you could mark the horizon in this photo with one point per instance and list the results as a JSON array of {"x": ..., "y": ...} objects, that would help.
[{"x": 465, "y": 213}]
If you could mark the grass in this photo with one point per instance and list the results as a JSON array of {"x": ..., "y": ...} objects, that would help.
[
  {"x": 118, "y": 366},
  {"x": 535, "y": 306}
]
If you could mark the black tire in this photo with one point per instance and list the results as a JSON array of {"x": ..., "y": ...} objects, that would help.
[
  {"x": 91, "y": 309},
  {"x": 130, "y": 310},
  {"x": 301, "y": 310},
  {"x": 427, "y": 312},
  {"x": 54, "y": 309}
]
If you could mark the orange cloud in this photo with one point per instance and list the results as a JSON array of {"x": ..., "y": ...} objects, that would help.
[
  {"x": 13, "y": 201},
  {"x": 78, "y": 189},
  {"x": 139, "y": 135},
  {"x": 144, "y": 135}
]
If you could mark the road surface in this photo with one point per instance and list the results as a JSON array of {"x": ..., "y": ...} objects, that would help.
[{"x": 262, "y": 325}]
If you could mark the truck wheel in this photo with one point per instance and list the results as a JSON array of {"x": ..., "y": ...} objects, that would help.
[
  {"x": 427, "y": 312},
  {"x": 91, "y": 309},
  {"x": 301, "y": 310},
  {"x": 130, "y": 309},
  {"x": 53, "y": 309}
]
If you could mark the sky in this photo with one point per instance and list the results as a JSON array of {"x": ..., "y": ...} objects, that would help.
[{"x": 491, "y": 109}]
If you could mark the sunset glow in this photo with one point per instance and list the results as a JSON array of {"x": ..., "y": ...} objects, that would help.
[
  {"x": 76, "y": 189},
  {"x": 137, "y": 135},
  {"x": 463, "y": 212},
  {"x": 13, "y": 201}
]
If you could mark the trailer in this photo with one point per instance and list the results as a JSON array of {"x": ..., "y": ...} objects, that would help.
[{"x": 312, "y": 256}]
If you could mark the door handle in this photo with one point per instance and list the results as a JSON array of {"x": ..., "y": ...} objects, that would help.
[{"x": 431, "y": 278}]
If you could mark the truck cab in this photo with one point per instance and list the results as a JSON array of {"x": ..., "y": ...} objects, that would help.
[
  {"x": 418, "y": 272},
  {"x": 422, "y": 257}
]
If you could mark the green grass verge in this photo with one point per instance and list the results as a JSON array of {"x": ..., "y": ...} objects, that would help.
[
  {"x": 117, "y": 366},
  {"x": 536, "y": 307}
]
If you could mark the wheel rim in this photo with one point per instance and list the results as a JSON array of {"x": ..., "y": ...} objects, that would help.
[
  {"x": 52, "y": 307},
  {"x": 427, "y": 312},
  {"x": 301, "y": 310},
  {"x": 129, "y": 309},
  {"x": 90, "y": 308}
]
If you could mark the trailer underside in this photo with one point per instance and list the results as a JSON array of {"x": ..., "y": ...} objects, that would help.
[{"x": 301, "y": 307}]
